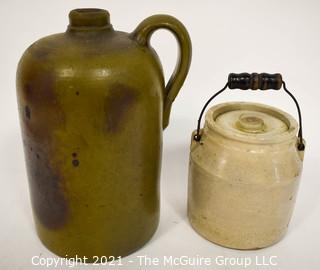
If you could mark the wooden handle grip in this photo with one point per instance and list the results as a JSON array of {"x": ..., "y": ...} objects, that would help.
[{"x": 254, "y": 81}]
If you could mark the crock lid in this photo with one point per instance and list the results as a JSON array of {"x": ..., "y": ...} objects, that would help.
[{"x": 251, "y": 122}]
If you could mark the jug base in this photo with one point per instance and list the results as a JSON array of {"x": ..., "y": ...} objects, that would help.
[{"x": 94, "y": 258}]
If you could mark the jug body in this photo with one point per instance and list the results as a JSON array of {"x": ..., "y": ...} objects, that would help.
[
  {"x": 91, "y": 103},
  {"x": 244, "y": 175}
]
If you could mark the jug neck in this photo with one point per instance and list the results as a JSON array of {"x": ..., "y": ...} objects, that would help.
[{"x": 89, "y": 19}]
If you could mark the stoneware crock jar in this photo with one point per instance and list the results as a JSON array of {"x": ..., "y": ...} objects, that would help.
[
  {"x": 93, "y": 104},
  {"x": 245, "y": 167}
]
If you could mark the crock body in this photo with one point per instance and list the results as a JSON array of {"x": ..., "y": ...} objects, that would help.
[{"x": 241, "y": 195}]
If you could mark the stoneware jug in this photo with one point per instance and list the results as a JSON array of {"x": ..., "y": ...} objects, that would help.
[
  {"x": 245, "y": 168},
  {"x": 93, "y": 104}
]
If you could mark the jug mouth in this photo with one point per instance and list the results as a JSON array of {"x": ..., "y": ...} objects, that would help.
[
  {"x": 89, "y": 19},
  {"x": 252, "y": 123}
]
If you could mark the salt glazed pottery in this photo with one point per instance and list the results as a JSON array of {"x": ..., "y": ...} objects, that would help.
[
  {"x": 245, "y": 168},
  {"x": 93, "y": 104}
]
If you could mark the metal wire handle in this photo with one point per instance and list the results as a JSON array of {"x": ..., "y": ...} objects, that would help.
[{"x": 254, "y": 81}]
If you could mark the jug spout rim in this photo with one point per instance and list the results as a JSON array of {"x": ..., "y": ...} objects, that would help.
[{"x": 89, "y": 19}]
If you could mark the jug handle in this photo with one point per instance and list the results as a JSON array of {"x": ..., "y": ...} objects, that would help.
[{"x": 142, "y": 34}]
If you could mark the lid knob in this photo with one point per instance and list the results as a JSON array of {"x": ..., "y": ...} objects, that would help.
[{"x": 251, "y": 123}]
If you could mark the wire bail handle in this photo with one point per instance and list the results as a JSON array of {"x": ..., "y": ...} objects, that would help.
[{"x": 254, "y": 81}]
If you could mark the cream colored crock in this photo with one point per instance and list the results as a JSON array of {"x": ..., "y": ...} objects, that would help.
[{"x": 244, "y": 175}]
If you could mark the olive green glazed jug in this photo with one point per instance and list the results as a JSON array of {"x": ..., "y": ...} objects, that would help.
[{"x": 93, "y": 104}]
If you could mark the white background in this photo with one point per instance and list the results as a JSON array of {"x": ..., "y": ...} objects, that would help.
[{"x": 228, "y": 36}]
